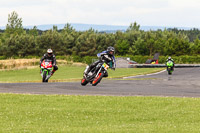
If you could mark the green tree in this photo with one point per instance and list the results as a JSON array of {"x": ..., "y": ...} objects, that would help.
[
  {"x": 139, "y": 47},
  {"x": 133, "y": 27},
  {"x": 33, "y": 31},
  {"x": 50, "y": 39},
  {"x": 27, "y": 45},
  {"x": 69, "y": 36},
  {"x": 11, "y": 46},
  {"x": 68, "y": 28},
  {"x": 195, "y": 47},
  {"x": 122, "y": 47},
  {"x": 86, "y": 44},
  {"x": 14, "y": 25}
]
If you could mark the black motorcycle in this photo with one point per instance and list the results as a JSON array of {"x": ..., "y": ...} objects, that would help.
[{"x": 95, "y": 75}]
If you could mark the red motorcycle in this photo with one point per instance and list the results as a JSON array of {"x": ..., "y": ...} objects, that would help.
[{"x": 46, "y": 70}]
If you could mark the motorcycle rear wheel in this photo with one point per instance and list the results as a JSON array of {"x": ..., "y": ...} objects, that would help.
[
  {"x": 170, "y": 72},
  {"x": 169, "y": 69}
]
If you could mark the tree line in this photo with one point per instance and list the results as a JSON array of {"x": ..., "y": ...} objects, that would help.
[{"x": 17, "y": 41}]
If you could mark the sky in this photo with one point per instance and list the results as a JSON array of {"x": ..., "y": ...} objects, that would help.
[{"x": 173, "y": 13}]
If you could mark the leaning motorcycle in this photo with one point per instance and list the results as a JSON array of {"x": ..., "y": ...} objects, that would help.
[
  {"x": 95, "y": 75},
  {"x": 46, "y": 70},
  {"x": 170, "y": 67}
]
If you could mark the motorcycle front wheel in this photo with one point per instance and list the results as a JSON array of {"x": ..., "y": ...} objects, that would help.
[
  {"x": 97, "y": 79},
  {"x": 44, "y": 76},
  {"x": 84, "y": 82}
]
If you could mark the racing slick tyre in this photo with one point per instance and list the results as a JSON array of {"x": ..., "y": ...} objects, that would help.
[
  {"x": 44, "y": 77},
  {"x": 84, "y": 82},
  {"x": 97, "y": 79}
]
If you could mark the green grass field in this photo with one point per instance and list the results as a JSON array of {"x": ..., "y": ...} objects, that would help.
[
  {"x": 93, "y": 114},
  {"x": 66, "y": 73}
]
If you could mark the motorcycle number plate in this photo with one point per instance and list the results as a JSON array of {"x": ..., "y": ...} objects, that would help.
[{"x": 105, "y": 66}]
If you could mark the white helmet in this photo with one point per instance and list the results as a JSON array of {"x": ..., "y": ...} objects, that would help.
[
  {"x": 169, "y": 58},
  {"x": 49, "y": 51}
]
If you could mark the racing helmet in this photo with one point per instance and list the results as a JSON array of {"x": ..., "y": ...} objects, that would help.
[
  {"x": 169, "y": 58},
  {"x": 49, "y": 52},
  {"x": 111, "y": 50}
]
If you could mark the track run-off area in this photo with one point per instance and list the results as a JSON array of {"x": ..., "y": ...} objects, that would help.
[{"x": 184, "y": 82}]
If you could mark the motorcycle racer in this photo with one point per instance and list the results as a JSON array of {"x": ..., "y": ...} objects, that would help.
[
  {"x": 50, "y": 57},
  {"x": 170, "y": 59},
  {"x": 107, "y": 56}
]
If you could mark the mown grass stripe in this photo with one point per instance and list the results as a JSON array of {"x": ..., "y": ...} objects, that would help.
[{"x": 64, "y": 113}]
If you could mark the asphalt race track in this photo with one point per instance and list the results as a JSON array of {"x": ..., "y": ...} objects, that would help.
[{"x": 184, "y": 82}]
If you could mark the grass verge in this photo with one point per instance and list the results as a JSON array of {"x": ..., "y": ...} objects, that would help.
[
  {"x": 58, "y": 113},
  {"x": 66, "y": 73}
]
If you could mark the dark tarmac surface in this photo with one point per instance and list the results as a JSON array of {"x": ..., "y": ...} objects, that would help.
[{"x": 184, "y": 82}]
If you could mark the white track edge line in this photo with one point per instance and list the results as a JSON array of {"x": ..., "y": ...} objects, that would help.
[{"x": 144, "y": 75}]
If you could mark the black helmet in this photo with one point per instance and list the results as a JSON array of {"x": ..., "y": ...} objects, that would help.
[{"x": 111, "y": 50}]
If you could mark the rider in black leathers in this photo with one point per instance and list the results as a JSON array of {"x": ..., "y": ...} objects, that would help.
[
  {"x": 108, "y": 57},
  {"x": 50, "y": 57}
]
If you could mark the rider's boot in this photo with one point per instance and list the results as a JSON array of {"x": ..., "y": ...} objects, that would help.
[{"x": 52, "y": 72}]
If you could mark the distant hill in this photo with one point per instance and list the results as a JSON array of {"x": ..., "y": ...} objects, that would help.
[{"x": 100, "y": 28}]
